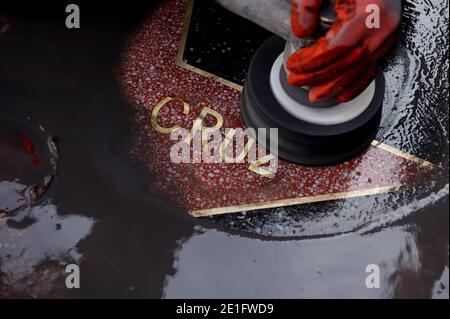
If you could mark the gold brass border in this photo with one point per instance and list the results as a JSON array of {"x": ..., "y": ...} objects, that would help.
[
  {"x": 400, "y": 153},
  {"x": 292, "y": 201},
  {"x": 284, "y": 202},
  {"x": 179, "y": 61}
]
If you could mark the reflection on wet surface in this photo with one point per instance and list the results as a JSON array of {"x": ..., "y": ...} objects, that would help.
[
  {"x": 132, "y": 243},
  {"x": 213, "y": 264},
  {"x": 38, "y": 236}
]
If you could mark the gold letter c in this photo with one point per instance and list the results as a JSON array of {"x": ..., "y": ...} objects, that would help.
[{"x": 158, "y": 107}]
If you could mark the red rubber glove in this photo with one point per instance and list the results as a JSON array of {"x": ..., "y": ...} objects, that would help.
[{"x": 345, "y": 61}]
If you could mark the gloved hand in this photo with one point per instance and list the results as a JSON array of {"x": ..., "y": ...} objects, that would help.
[{"x": 345, "y": 61}]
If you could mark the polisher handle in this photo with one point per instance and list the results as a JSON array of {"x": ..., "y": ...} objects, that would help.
[{"x": 274, "y": 15}]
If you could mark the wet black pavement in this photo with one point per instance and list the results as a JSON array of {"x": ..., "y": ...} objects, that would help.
[
  {"x": 131, "y": 243},
  {"x": 66, "y": 82}
]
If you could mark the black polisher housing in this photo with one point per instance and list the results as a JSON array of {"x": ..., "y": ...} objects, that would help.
[{"x": 300, "y": 141}]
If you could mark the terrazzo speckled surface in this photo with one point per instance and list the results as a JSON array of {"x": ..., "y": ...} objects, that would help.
[{"x": 150, "y": 73}]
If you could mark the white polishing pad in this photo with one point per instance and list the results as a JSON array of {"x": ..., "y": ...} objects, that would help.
[{"x": 333, "y": 115}]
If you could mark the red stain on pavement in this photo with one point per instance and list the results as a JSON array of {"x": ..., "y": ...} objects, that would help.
[
  {"x": 24, "y": 145},
  {"x": 29, "y": 147}
]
